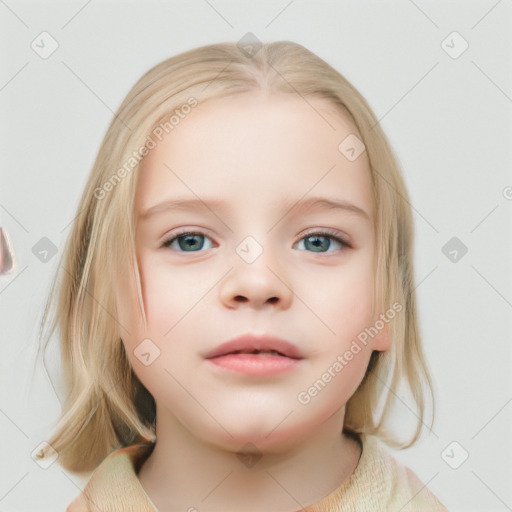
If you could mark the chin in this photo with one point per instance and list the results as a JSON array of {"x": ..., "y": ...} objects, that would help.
[{"x": 252, "y": 432}]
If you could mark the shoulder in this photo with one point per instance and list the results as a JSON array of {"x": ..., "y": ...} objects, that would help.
[
  {"x": 381, "y": 483},
  {"x": 114, "y": 483}
]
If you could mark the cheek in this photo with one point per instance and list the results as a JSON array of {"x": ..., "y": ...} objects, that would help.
[
  {"x": 336, "y": 374},
  {"x": 134, "y": 334},
  {"x": 169, "y": 294},
  {"x": 345, "y": 301},
  {"x": 343, "y": 352},
  {"x": 154, "y": 351}
]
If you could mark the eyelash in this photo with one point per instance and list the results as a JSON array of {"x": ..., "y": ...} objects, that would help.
[{"x": 326, "y": 232}]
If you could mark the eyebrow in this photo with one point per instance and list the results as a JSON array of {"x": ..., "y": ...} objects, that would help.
[{"x": 301, "y": 206}]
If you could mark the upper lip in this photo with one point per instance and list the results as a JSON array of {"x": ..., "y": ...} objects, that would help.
[{"x": 248, "y": 343}]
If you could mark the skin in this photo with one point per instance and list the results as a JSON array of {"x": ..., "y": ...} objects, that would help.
[{"x": 257, "y": 153}]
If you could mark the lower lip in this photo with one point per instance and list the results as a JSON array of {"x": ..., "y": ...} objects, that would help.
[{"x": 254, "y": 364}]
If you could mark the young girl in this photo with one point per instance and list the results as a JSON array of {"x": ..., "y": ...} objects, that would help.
[{"x": 236, "y": 308}]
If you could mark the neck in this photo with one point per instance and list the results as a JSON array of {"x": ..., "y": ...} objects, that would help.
[{"x": 187, "y": 473}]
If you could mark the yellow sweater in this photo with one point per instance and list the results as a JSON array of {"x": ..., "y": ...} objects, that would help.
[{"x": 379, "y": 484}]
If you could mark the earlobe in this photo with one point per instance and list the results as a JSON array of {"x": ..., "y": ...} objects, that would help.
[{"x": 382, "y": 340}]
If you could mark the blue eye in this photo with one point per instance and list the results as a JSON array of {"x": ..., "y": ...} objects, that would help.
[
  {"x": 322, "y": 242},
  {"x": 318, "y": 242},
  {"x": 187, "y": 242}
]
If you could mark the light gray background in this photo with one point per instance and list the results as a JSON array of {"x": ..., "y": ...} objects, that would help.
[{"x": 447, "y": 119}]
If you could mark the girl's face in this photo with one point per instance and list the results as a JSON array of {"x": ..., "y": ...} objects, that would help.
[{"x": 268, "y": 257}]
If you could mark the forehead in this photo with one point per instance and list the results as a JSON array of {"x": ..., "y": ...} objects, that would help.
[{"x": 253, "y": 148}]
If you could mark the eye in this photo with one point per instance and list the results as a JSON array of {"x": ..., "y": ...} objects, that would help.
[
  {"x": 317, "y": 241},
  {"x": 323, "y": 241},
  {"x": 187, "y": 241}
]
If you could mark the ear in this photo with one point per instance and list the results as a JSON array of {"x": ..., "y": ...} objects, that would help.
[{"x": 382, "y": 340}]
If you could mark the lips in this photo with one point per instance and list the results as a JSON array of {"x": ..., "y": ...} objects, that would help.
[{"x": 256, "y": 345}]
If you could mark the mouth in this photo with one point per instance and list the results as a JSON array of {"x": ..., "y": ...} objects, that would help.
[
  {"x": 256, "y": 345},
  {"x": 256, "y": 355},
  {"x": 258, "y": 352}
]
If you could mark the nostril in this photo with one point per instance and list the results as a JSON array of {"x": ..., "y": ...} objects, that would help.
[{"x": 241, "y": 298}]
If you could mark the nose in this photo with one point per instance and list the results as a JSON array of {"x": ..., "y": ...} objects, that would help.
[{"x": 256, "y": 285}]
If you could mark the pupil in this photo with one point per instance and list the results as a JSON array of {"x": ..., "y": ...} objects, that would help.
[
  {"x": 190, "y": 242},
  {"x": 318, "y": 242}
]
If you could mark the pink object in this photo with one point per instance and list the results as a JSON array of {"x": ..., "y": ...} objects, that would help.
[
  {"x": 6, "y": 254},
  {"x": 256, "y": 355},
  {"x": 256, "y": 364},
  {"x": 256, "y": 343}
]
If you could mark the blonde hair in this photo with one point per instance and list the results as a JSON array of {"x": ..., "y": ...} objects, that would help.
[{"x": 107, "y": 407}]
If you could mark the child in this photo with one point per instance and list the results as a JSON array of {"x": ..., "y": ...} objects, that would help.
[{"x": 237, "y": 290}]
